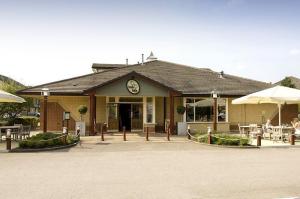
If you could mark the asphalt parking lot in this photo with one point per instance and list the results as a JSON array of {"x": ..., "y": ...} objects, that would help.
[{"x": 151, "y": 170}]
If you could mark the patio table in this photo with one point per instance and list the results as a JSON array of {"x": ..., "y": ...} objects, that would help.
[{"x": 245, "y": 129}]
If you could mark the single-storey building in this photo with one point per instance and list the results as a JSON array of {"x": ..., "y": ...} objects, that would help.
[{"x": 149, "y": 94}]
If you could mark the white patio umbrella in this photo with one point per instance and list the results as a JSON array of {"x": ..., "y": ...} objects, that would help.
[
  {"x": 7, "y": 97},
  {"x": 277, "y": 95}
]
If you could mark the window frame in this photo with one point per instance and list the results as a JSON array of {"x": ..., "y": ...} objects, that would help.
[{"x": 194, "y": 98}]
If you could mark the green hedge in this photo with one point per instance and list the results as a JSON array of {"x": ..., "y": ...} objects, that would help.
[
  {"x": 26, "y": 121},
  {"x": 44, "y": 140},
  {"x": 224, "y": 139}
]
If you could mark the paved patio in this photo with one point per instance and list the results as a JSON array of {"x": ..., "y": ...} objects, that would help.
[{"x": 133, "y": 137}]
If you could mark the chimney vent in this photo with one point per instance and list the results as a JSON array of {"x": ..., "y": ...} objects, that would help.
[
  {"x": 142, "y": 59},
  {"x": 221, "y": 74},
  {"x": 126, "y": 61},
  {"x": 151, "y": 57}
]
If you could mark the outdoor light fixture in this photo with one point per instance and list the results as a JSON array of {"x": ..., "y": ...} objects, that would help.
[
  {"x": 45, "y": 92},
  {"x": 214, "y": 94}
]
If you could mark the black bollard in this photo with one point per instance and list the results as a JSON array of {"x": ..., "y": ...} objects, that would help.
[{"x": 258, "y": 138}]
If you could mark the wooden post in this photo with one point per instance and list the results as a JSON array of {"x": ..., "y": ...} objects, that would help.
[
  {"x": 209, "y": 139},
  {"x": 168, "y": 133},
  {"x": 171, "y": 125},
  {"x": 102, "y": 134},
  {"x": 124, "y": 133},
  {"x": 258, "y": 138},
  {"x": 293, "y": 139},
  {"x": 45, "y": 113},
  {"x": 165, "y": 112},
  {"x": 8, "y": 139},
  {"x": 67, "y": 126},
  {"x": 92, "y": 113},
  {"x": 189, "y": 132},
  {"x": 215, "y": 114},
  {"x": 65, "y": 134},
  {"x": 147, "y": 133}
]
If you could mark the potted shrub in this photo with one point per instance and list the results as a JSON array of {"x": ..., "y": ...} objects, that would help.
[
  {"x": 181, "y": 126},
  {"x": 82, "y": 110}
]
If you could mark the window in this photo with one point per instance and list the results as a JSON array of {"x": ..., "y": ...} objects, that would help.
[
  {"x": 222, "y": 110},
  {"x": 149, "y": 110},
  {"x": 131, "y": 99},
  {"x": 190, "y": 114},
  {"x": 111, "y": 99},
  {"x": 201, "y": 110}
]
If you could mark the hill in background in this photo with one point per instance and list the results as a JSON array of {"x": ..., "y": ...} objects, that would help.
[{"x": 7, "y": 80}]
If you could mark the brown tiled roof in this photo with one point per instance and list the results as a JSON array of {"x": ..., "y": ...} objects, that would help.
[
  {"x": 184, "y": 79},
  {"x": 107, "y": 66}
]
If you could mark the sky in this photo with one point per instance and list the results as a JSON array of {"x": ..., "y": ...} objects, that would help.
[{"x": 43, "y": 41}]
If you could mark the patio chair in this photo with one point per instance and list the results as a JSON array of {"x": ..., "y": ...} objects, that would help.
[
  {"x": 276, "y": 135},
  {"x": 2, "y": 133},
  {"x": 267, "y": 133},
  {"x": 253, "y": 130},
  {"x": 241, "y": 130},
  {"x": 25, "y": 133}
]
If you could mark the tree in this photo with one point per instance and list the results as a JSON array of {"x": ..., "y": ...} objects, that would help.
[
  {"x": 10, "y": 111},
  {"x": 287, "y": 82}
]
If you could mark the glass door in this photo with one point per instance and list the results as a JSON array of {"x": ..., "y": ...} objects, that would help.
[
  {"x": 113, "y": 123},
  {"x": 137, "y": 117}
]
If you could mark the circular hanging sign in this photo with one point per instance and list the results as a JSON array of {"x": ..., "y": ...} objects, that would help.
[{"x": 133, "y": 86}]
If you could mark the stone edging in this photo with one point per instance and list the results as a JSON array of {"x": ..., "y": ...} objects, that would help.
[
  {"x": 247, "y": 147},
  {"x": 18, "y": 150},
  {"x": 226, "y": 146}
]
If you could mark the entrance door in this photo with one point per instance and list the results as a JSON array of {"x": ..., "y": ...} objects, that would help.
[
  {"x": 125, "y": 116},
  {"x": 137, "y": 117},
  {"x": 112, "y": 117}
]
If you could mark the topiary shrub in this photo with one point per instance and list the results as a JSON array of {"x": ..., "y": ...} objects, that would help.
[
  {"x": 180, "y": 110},
  {"x": 82, "y": 109}
]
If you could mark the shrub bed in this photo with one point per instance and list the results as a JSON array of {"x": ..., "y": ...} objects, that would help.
[
  {"x": 46, "y": 140},
  {"x": 223, "y": 139}
]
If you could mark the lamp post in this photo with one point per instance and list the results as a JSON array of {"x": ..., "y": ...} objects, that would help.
[
  {"x": 214, "y": 95},
  {"x": 45, "y": 93}
]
